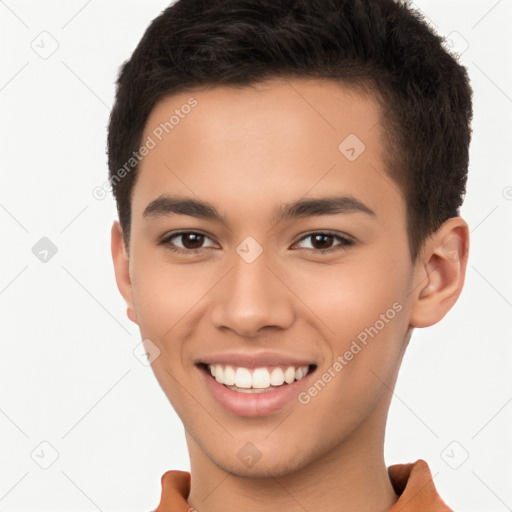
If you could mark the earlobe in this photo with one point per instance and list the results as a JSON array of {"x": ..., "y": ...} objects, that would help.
[
  {"x": 440, "y": 273},
  {"x": 122, "y": 269}
]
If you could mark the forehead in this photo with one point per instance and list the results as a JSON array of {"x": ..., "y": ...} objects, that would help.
[{"x": 270, "y": 142}]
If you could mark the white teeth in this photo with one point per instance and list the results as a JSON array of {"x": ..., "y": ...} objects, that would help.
[
  {"x": 257, "y": 379},
  {"x": 289, "y": 375},
  {"x": 277, "y": 377},
  {"x": 219, "y": 373},
  {"x": 229, "y": 376},
  {"x": 300, "y": 372},
  {"x": 242, "y": 378},
  {"x": 260, "y": 378}
]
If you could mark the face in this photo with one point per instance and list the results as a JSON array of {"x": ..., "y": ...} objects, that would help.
[{"x": 267, "y": 241}]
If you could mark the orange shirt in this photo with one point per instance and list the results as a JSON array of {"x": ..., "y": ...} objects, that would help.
[{"x": 412, "y": 482}]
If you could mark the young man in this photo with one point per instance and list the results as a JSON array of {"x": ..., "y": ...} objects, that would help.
[{"x": 288, "y": 177}]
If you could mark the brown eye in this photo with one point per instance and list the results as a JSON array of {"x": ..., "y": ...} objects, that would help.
[
  {"x": 192, "y": 240},
  {"x": 324, "y": 242},
  {"x": 187, "y": 242}
]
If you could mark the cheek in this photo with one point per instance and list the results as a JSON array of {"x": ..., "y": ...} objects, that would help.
[
  {"x": 167, "y": 301},
  {"x": 348, "y": 298},
  {"x": 165, "y": 295},
  {"x": 364, "y": 310}
]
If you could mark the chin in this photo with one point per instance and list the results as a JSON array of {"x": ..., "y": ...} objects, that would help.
[{"x": 276, "y": 463}]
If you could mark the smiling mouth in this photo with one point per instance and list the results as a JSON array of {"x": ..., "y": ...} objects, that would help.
[{"x": 256, "y": 380}]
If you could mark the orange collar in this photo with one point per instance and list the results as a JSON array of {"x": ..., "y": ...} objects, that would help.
[{"x": 412, "y": 482}]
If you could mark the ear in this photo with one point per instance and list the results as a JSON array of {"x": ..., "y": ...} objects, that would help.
[
  {"x": 440, "y": 270},
  {"x": 122, "y": 269}
]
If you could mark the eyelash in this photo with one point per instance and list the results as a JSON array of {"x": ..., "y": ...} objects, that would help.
[{"x": 344, "y": 242}]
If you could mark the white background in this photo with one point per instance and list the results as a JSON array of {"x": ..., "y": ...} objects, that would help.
[{"x": 68, "y": 373}]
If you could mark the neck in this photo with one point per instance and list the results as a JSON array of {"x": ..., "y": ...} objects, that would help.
[{"x": 349, "y": 477}]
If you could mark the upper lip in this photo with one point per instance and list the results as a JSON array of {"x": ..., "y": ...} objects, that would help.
[{"x": 254, "y": 360}]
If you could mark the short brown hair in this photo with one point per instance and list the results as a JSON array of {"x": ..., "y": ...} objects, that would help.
[{"x": 383, "y": 45}]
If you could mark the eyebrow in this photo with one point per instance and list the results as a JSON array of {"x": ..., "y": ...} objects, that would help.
[{"x": 166, "y": 205}]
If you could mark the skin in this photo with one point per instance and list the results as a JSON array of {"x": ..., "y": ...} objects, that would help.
[{"x": 248, "y": 151}]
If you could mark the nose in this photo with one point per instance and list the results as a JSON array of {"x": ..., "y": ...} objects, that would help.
[{"x": 251, "y": 298}]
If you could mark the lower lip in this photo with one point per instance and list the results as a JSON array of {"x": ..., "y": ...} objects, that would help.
[{"x": 252, "y": 405}]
